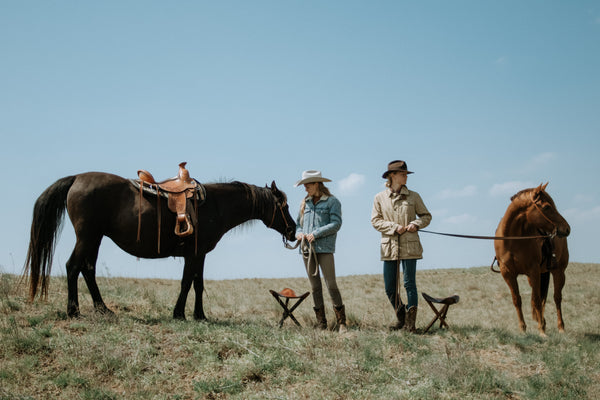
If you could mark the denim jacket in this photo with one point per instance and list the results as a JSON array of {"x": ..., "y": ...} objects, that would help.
[{"x": 323, "y": 220}]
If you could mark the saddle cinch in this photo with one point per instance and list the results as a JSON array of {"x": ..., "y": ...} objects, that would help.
[{"x": 177, "y": 190}]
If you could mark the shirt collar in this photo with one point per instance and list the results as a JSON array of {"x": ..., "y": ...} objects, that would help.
[
  {"x": 403, "y": 190},
  {"x": 323, "y": 197}
]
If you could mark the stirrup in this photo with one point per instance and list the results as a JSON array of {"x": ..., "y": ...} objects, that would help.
[{"x": 188, "y": 231}]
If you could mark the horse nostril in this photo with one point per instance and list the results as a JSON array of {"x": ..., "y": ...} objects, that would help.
[{"x": 290, "y": 233}]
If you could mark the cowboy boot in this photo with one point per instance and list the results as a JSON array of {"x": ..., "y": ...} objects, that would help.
[
  {"x": 411, "y": 319},
  {"x": 401, "y": 315},
  {"x": 340, "y": 315},
  {"x": 321, "y": 320}
]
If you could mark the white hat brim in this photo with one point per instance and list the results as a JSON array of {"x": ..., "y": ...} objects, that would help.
[{"x": 311, "y": 180}]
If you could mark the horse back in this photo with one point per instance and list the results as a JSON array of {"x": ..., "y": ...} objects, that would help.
[{"x": 97, "y": 201}]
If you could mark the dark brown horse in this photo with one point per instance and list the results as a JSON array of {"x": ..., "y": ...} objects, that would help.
[
  {"x": 532, "y": 213},
  {"x": 101, "y": 204}
]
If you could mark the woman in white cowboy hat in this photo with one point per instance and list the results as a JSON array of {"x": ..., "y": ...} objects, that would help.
[
  {"x": 398, "y": 213},
  {"x": 318, "y": 222}
]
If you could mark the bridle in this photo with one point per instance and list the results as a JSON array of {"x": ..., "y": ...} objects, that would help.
[
  {"x": 277, "y": 205},
  {"x": 535, "y": 204}
]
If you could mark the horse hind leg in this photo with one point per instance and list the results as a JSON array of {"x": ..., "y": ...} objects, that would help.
[
  {"x": 83, "y": 260},
  {"x": 511, "y": 281},
  {"x": 537, "y": 305}
]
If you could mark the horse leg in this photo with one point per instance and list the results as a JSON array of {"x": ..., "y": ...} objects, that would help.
[
  {"x": 537, "y": 311},
  {"x": 73, "y": 269},
  {"x": 558, "y": 277},
  {"x": 83, "y": 260},
  {"x": 199, "y": 289},
  {"x": 89, "y": 274},
  {"x": 544, "y": 285},
  {"x": 511, "y": 281},
  {"x": 186, "y": 284}
]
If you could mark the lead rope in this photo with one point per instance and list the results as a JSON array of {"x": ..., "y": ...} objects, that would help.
[
  {"x": 307, "y": 257},
  {"x": 398, "y": 300},
  {"x": 307, "y": 252}
]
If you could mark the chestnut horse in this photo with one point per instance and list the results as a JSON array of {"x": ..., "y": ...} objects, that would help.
[
  {"x": 101, "y": 204},
  {"x": 532, "y": 212}
]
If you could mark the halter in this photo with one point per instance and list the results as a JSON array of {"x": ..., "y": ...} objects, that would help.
[
  {"x": 544, "y": 215},
  {"x": 280, "y": 206},
  {"x": 275, "y": 212}
]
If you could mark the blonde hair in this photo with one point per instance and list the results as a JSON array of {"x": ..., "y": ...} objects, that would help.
[{"x": 321, "y": 190}]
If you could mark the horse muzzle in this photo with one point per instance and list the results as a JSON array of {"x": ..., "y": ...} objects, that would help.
[
  {"x": 290, "y": 234},
  {"x": 563, "y": 232}
]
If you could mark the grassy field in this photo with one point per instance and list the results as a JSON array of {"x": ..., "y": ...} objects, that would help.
[{"x": 141, "y": 353}]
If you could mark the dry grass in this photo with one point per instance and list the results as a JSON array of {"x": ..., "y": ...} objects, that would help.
[{"x": 141, "y": 353}]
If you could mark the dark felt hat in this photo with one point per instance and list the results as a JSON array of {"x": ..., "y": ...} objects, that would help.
[{"x": 396, "y": 165}]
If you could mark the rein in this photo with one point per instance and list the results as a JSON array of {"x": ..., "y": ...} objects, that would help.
[{"x": 548, "y": 236}]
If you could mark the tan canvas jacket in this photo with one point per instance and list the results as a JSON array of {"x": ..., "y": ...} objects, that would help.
[{"x": 391, "y": 210}]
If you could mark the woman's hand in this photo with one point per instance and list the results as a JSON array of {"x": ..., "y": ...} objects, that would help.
[
  {"x": 412, "y": 228},
  {"x": 400, "y": 230},
  {"x": 408, "y": 228},
  {"x": 310, "y": 237},
  {"x": 299, "y": 236}
]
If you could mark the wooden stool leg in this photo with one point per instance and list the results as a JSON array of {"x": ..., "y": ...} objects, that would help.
[
  {"x": 287, "y": 311},
  {"x": 437, "y": 316},
  {"x": 443, "y": 316},
  {"x": 293, "y": 308}
]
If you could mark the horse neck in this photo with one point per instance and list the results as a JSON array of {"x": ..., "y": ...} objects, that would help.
[
  {"x": 515, "y": 221},
  {"x": 239, "y": 203}
]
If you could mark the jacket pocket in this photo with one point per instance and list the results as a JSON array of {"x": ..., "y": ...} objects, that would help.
[
  {"x": 414, "y": 248},
  {"x": 386, "y": 247}
]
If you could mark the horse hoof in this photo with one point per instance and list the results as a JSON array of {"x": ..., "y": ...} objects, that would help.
[
  {"x": 105, "y": 311},
  {"x": 73, "y": 313}
]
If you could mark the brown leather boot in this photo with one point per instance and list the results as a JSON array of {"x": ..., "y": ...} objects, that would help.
[
  {"x": 340, "y": 315},
  {"x": 411, "y": 319},
  {"x": 321, "y": 320},
  {"x": 401, "y": 315}
]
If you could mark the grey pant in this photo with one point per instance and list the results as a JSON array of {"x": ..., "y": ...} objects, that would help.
[{"x": 327, "y": 263}]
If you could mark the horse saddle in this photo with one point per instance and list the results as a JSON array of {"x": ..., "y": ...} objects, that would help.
[{"x": 179, "y": 189}]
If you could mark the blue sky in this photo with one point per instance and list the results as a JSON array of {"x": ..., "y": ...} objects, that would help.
[{"x": 481, "y": 99}]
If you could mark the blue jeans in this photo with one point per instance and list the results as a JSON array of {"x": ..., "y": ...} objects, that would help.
[{"x": 390, "y": 276}]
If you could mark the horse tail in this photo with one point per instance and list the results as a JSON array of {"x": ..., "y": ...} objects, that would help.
[
  {"x": 48, "y": 213},
  {"x": 495, "y": 260}
]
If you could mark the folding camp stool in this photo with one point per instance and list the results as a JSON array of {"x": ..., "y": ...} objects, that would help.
[
  {"x": 288, "y": 294},
  {"x": 439, "y": 314}
]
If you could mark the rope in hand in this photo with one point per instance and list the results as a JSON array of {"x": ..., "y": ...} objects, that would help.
[{"x": 308, "y": 252}]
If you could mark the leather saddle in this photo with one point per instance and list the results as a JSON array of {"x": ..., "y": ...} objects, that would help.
[{"x": 177, "y": 190}]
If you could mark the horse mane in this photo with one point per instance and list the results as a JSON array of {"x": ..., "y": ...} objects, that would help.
[
  {"x": 521, "y": 193},
  {"x": 262, "y": 199},
  {"x": 525, "y": 192}
]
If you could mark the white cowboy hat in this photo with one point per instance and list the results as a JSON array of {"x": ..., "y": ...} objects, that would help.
[{"x": 311, "y": 176}]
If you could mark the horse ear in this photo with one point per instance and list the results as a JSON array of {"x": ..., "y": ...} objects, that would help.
[
  {"x": 544, "y": 186},
  {"x": 273, "y": 186}
]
